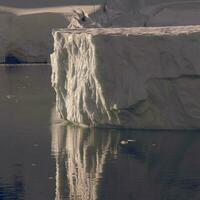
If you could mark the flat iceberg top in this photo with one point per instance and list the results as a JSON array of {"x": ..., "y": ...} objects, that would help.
[{"x": 167, "y": 30}]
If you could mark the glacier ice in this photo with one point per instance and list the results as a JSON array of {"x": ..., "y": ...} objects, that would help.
[
  {"x": 128, "y": 77},
  {"x": 66, "y": 69},
  {"x": 128, "y": 13}
]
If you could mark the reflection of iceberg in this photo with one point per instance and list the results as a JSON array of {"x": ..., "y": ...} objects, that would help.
[
  {"x": 80, "y": 158},
  {"x": 153, "y": 166}
]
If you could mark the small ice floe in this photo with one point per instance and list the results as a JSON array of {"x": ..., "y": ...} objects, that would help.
[
  {"x": 36, "y": 145},
  {"x": 51, "y": 178},
  {"x": 124, "y": 142},
  {"x": 33, "y": 164},
  {"x": 9, "y": 96}
]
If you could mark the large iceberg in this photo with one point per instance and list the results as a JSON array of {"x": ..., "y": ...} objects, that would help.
[{"x": 128, "y": 77}]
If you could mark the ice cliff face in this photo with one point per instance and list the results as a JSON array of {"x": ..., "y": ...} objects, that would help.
[
  {"x": 76, "y": 76},
  {"x": 131, "y": 78}
]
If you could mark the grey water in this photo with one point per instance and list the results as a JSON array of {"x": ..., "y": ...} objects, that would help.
[{"x": 41, "y": 158}]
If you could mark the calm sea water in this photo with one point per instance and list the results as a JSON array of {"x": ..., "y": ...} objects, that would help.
[{"x": 43, "y": 159}]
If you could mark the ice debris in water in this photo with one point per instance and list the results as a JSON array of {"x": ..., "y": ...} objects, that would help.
[{"x": 124, "y": 142}]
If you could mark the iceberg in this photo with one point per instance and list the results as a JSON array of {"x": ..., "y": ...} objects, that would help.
[{"x": 140, "y": 78}]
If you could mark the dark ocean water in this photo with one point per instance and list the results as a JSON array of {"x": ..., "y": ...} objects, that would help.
[{"x": 43, "y": 159}]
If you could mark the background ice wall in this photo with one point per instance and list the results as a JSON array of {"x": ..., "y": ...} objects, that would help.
[{"x": 28, "y": 36}]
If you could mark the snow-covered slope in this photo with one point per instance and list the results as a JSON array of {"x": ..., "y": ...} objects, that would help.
[{"x": 128, "y": 77}]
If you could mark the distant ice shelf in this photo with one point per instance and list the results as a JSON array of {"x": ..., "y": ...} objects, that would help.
[
  {"x": 25, "y": 28},
  {"x": 141, "y": 78}
]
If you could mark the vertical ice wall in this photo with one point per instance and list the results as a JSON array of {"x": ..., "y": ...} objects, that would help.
[
  {"x": 128, "y": 77},
  {"x": 79, "y": 94}
]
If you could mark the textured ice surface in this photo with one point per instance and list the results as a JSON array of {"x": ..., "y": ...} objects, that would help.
[
  {"x": 72, "y": 62},
  {"x": 132, "y": 78},
  {"x": 128, "y": 13}
]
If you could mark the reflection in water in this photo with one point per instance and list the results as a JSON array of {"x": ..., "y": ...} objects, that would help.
[
  {"x": 80, "y": 158},
  {"x": 105, "y": 164},
  {"x": 90, "y": 164},
  {"x": 95, "y": 164}
]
